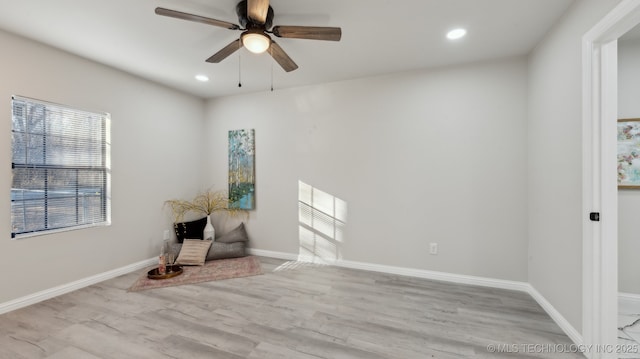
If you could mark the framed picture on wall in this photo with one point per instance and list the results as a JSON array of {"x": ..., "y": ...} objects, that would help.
[
  {"x": 242, "y": 183},
  {"x": 629, "y": 153}
]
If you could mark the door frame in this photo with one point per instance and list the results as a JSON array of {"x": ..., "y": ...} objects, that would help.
[{"x": 600, "y": 187}]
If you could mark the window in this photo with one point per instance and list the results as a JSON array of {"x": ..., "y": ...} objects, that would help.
[{"x": 61, "y": 168}]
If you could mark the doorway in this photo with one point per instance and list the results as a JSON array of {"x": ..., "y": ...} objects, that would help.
[
  {"x": 628, "y": 137},
  {"x": 600, "y": 190}
]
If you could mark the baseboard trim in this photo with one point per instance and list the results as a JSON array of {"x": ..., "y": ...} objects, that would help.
[
  {"x": 433, "y": 275},
  {"x": 560, "y": 320},
  {"x": 629, "y": 297},
  {"x": 418, "y": 273},
  {"x": 70, "y": 287},
  {"x": 272, "y": 254}
]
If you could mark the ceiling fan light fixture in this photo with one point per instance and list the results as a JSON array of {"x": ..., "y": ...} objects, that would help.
[{"x": 256, "y": 42}]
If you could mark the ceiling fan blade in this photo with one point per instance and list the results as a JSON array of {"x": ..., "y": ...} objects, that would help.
[
  {"x": 281, "y": 57},
  {"x": 201, "y": 19},
  {"x": 226, "y": 51},
  {"x": 308, "y": 32},
  {"x": 257, "y": 10}
]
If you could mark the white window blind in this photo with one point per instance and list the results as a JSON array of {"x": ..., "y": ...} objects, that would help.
[{"x": 61, "y": 168}]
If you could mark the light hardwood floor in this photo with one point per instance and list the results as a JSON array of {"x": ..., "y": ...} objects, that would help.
[{"x": 294, "y": 310}]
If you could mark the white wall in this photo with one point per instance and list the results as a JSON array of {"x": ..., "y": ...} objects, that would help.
[
  {"x": 418, "y": 157},
  {"x": 555, "y": 160},
  {"x": 155, "y": 156},
  {"x": 628, "y": 200}
]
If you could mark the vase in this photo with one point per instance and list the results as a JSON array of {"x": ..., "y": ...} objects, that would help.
[
  {"x": 162, "y": 260},
  {"x": 209, "y": 232}
]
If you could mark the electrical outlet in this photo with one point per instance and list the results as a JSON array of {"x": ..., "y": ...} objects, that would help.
[
  {"x": 433, "y": 248},
  {"x": 167, "y": 234}
]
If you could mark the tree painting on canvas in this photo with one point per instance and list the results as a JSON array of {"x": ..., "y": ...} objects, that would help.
[
  {"x": 241, "y": 169},
  {"x": 629, "y": 153}
]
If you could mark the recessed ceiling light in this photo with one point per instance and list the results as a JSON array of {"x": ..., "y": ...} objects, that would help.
[
  {"x": 456, "y": 34},
  {"x": 202, "y": 78}
]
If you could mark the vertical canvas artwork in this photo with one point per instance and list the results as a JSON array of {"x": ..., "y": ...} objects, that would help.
[
  {"x": 629, "y": 153},
  {"x": 242, "y": 169}
]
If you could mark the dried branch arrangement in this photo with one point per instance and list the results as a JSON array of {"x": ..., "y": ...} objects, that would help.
[{"x": 204, "y": 203}]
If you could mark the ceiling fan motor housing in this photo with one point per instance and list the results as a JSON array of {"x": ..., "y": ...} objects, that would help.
[{"x": 247, "y": 23}]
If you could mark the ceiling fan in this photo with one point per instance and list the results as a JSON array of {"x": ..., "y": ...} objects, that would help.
[{"x": 256, "y": 19}]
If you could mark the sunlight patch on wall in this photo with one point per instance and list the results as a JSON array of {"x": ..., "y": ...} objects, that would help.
[{"x": 322, "y": 219}]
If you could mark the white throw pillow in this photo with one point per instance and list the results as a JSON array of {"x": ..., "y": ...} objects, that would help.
[{"x": 193, "y": 252}]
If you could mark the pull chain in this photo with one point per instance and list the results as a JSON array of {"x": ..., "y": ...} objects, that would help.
[
  {"x": 271, "y": 52},
  {"x": 239, "y": 65}
]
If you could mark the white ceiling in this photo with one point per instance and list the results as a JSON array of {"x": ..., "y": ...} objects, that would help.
[{"x": 378, "y": 37}]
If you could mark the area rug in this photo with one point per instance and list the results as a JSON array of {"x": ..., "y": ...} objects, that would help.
[{"x": 212, "y": 270}]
